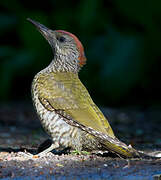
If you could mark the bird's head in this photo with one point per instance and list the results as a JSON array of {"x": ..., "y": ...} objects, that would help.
[{"x": 68, "y": 50}]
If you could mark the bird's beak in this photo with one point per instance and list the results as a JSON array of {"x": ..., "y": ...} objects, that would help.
[{"x": 46, "y": 32}]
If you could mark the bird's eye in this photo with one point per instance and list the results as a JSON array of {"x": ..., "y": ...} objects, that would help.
[{"x": 61, "y": 39}]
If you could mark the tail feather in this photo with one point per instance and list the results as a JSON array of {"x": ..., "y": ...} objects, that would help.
[{"x": 112, "y": 144}]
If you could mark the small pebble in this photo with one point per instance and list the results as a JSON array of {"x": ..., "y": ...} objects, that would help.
[{"x": 157, "y": 177}]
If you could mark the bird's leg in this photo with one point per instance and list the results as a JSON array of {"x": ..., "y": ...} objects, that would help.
[{"x": 50, "y": 148}]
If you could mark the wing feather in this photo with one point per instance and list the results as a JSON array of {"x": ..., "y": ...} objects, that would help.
[{"x": 64, "y": 91}]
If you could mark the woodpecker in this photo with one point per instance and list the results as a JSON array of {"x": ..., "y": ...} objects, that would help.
[{"x": 63, "y": 104}]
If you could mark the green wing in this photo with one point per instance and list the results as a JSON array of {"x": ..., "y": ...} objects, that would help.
[{"x": 64, "y": 91}]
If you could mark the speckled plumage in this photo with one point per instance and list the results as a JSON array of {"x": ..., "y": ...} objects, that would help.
[
  {"x": 56, "y": 89},
  {"x": 64, "y": 105}
]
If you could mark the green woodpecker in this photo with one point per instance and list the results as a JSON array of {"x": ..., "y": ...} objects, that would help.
[{"x": 63, "y": 104}]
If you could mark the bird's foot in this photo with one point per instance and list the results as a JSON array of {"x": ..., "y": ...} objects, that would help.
[{"x": 50, "y": 148}]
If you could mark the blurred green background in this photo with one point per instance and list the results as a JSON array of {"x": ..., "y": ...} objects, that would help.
[{"x": 122, "y": 41}]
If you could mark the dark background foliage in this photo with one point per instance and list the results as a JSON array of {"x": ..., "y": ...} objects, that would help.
[{"x": 122, "y": 41}]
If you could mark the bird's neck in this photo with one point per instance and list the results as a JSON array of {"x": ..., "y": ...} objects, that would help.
[{"x": 62, "y": 65}]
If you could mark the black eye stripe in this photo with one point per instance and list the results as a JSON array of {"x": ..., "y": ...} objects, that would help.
[{"x": 61, "y": 39}]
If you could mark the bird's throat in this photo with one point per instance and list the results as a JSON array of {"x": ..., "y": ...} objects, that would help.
[{"x": 60, "y": 64}]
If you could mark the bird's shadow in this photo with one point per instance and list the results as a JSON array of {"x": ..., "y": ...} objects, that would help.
[
  {"x": 47, "y": 143},
  {"x": 15, "y": 150}
]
